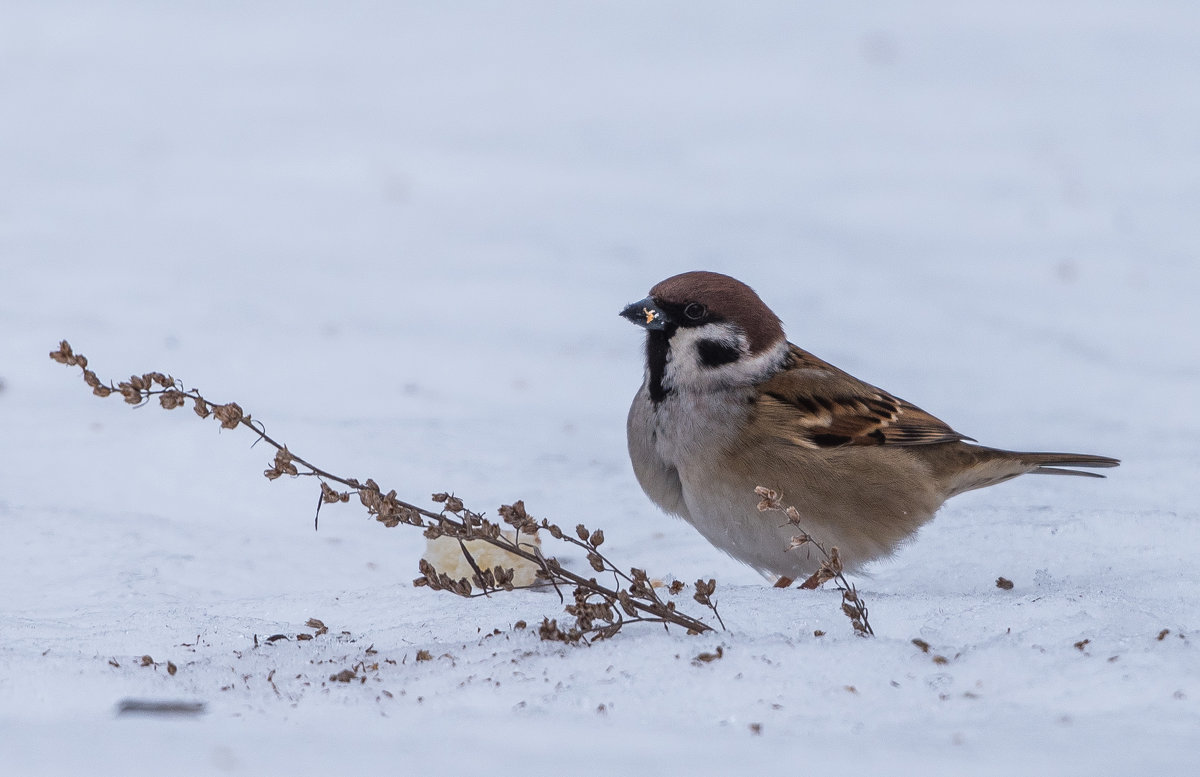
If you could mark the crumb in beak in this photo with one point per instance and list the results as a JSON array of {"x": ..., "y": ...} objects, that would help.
[{"x": 650, "y": 314}]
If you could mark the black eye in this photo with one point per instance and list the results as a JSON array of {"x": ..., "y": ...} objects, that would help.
[{"x": 695, "y": 311}]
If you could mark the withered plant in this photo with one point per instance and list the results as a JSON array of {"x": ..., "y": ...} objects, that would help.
[
  {"x": 831, "y": 563},
  {"x": 599, "y": 610}
]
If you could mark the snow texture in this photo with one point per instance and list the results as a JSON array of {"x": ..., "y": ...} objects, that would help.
[{"x": 399, "y": 234}]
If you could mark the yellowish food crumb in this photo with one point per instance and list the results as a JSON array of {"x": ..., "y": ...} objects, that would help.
[{"x": 446, "y": 555}]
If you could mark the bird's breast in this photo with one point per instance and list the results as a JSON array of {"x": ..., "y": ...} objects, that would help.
[{"x": 696, "y": 429}]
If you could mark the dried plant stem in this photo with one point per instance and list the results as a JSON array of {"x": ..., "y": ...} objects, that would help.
[
  {"x": 599, "y": 610},
  {"x": 831, "y": 563}
]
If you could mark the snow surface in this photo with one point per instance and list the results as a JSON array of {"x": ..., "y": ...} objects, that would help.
[{"x": 399, "y": 234}]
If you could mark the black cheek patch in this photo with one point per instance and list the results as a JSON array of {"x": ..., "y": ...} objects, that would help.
[{"x": 714, "y": 354}]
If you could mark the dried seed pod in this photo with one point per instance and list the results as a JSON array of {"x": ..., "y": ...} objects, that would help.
[
  {"x": 484, "y": 579},
  {"x": 329, "y": 496},
  {"x": 171, "y": 399},
  {"x": 514, "y": 514},
  {"x": 229, "y": 415},
  {"x": 63, "y": 355},
  {"x": 130, "y": 394},
  {"x": 770, "y": 498},
  {"x": 370, "y": 499},
  {"x": 798, "y": 540},
  {"x": 283, "y": 462}
]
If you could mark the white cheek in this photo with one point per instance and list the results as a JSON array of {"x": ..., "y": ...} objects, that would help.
[
  {"x": 685, "y": 368},
  {"x": 685, "y": 340}
]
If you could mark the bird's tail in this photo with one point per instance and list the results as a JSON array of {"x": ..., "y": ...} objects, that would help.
[{"x": 981, "y": 466}]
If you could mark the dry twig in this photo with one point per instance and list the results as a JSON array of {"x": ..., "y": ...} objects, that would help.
[
  {"x": 599, "y": 610},
  {"x": 831, "y": 564}
]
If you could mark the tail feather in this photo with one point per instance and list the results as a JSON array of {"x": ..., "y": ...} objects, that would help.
[
  {"x": 1052, "y": 463},
  {"x": 1057, "y": 471}
]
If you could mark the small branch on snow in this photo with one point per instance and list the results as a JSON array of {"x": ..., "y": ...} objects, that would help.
[
  {"x": 600, "y": 611},
  {"x": 831, "y": 564}
]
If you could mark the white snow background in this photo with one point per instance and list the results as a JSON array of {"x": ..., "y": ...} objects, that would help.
[{"x": 399, "y": 235}]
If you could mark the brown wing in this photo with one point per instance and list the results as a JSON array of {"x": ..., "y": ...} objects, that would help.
[{"x": 816, "y": 405}]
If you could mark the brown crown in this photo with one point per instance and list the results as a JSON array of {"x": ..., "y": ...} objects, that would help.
[{"x": 727, "y": 298}]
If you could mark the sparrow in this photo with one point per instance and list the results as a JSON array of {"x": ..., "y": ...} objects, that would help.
[{"x": 728, "y": 404}]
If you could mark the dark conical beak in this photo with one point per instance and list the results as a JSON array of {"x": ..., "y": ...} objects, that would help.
[{"x": 647, "y": 314}]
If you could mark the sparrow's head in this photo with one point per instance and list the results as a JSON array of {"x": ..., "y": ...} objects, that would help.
[{"x": 706, "y": 330}]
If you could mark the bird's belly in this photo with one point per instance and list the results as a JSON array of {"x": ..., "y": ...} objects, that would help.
[
  {"x": 726, "y": 514},
  {"x": 864, "y": 520}
]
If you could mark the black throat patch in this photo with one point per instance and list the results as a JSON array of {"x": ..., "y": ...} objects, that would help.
[{"x": 656, "y": 360}]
